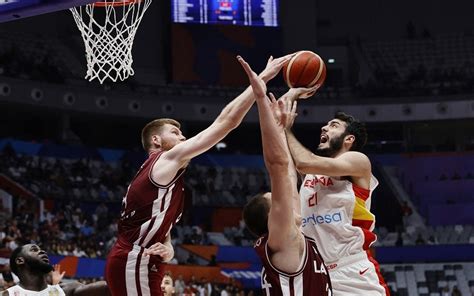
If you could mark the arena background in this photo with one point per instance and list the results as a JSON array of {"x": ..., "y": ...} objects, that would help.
[{"x": 69, "y": 147}]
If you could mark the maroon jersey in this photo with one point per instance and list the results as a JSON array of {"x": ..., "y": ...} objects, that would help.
[
  {"x": 311, "y": 279},
  {"x": 149, "y": 210}
]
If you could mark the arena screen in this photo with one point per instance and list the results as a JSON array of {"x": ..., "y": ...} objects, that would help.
[{"x": 231, "y": 12}]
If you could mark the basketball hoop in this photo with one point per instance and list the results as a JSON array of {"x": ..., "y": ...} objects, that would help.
[{"x": 108, "y": 29}]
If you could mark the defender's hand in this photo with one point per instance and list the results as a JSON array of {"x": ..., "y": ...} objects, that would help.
[
  {"x": 288, "y": 113},
  {"x": 258, "y": 85},
  {"x": 57, "y": 275},
  {"x": 274, "y": 66},
  {"x": 159, "y": 249}
]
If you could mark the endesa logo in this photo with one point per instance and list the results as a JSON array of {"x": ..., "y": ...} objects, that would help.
[{"x": 322, "y": 219}]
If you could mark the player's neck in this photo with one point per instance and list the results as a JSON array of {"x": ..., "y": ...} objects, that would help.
[
  {"x": 33, "y": 282},
  {"x": 153, "y": 150}
]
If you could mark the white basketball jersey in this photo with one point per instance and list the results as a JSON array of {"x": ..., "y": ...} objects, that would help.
[
  {"x": 336, "y": 213},
  {"x": 54, "y": 290}
]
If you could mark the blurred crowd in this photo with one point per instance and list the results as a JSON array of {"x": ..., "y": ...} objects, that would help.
[
  {"x": 67, "y": 232},
  {"x": 56, "y": 178},
  {"x": 419, "y": 81},
  {"x": 18, "y": 63}
]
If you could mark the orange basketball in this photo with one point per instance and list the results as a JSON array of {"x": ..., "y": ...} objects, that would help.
[{"x": 305, "y": 69}]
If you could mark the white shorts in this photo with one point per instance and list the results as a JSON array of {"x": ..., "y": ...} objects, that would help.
[{"x": 355, "y": 275}]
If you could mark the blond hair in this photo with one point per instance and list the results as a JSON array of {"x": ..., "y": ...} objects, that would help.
[{"x": 154, "y": 127}]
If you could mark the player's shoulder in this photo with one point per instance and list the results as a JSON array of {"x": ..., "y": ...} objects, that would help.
[
  {"x": 354, "y": 154},
  {"x": 5, "y": 293}
]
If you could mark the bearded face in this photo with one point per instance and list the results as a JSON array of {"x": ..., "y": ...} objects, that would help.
[
  {"x": 335, "y": 145},
  {"x": 34, "y": 259},
  {"x": 40, "y": 265}
]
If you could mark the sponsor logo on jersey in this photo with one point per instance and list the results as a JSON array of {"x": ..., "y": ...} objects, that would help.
[
  {"x": 361, "y": 272},
  {"x": 322, "y": 219}
]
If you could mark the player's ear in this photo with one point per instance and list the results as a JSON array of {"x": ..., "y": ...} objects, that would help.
[
  {"x": 350, "y": 139},
  {"x": 156, "y": 140}
]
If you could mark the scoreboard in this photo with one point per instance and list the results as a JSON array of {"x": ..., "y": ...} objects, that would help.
[{"x": 232, "y": 12}]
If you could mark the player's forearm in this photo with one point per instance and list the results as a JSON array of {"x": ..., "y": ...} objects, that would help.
[
  {"x": 274, "y": 147},
  {"x": 232, "y": 114},
  {"x": 95, "y": 289},
  {"x": 301, "y": 156}
]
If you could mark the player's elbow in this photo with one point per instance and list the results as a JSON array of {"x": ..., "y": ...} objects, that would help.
[
  {"x": 304, "y": 167},
  {"x": 229, "y": 123},
  {"x": 277, "y": 163}
]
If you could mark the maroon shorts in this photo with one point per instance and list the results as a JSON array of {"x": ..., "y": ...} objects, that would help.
[{"x": 129, "y": 273}]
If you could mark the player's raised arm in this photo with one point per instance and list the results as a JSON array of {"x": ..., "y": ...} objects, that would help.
[
  {"x": 349, "y": 163},
  {"x": 281, "y": 220},
  {"x": 230, "y": 117}
]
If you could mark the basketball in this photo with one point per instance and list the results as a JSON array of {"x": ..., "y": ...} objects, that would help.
[{"x": 305, "y": 69}]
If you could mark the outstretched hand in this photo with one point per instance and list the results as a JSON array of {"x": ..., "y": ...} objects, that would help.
[
  {"x": 258, "y": 85},
  {"x": 159, "y": 249},
  {"x": 56, "y": 274},
  {"x": 274, "y": 66}
]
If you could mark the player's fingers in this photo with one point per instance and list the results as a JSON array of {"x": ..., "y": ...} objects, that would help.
[
  {"x": 272, "y": 97},
  {"x": 245, "y": 65},
  {"x": 270, "y": 59},
  {"x": 63, "y": 273},
  {"x": 281, "y": 106},
  {"x": 288, "y": 106},
  {"x": 293, "y": 109}
]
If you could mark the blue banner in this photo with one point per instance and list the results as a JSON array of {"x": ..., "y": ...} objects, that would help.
[{"x": 237, "y": 254}]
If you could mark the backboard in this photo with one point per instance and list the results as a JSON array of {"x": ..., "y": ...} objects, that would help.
[{"x": 16, "y": 9}]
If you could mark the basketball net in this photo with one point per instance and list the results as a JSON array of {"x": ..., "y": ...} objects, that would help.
[{"x": 108, "y": 36}]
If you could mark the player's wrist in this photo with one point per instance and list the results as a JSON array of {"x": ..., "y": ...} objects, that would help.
[{"x": 265, "y": 76}]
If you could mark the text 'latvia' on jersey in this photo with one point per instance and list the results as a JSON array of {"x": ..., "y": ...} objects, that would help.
[
  {"x": 311, "y": 279},
  {"x": 149, "y": 210},
  {"x": 336, "y": 214}
]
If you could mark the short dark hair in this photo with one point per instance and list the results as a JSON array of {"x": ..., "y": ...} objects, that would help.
[
  {"x": 255, "y": 214},
  {"x": 355, "y": 128},
  {"x": 15, "y": 254},
  {"x": 154, "y": 127}
]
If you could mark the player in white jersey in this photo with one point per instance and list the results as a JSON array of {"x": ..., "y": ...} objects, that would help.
[
  {"x": 335, "y": 203},
  {"x": 31, "y": 265}
]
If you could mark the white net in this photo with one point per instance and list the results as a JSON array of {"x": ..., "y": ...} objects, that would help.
[{"x": 108, "y": 30}]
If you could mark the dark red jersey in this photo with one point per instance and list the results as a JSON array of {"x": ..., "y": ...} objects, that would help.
[
  {"x": 149, "y": 210},
  {"x": 311, "y": 279}
]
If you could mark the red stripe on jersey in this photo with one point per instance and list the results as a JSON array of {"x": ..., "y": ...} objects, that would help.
[
  {"x": 369, "y": 238},
  {"x": 137, "y": 273},
  {"x": 292, "y": 286},
  {"x": 150, "y": 226},
  {"x": 379, "y": 274},
  {"x": 162, "y": 208},
  {"x": 360, "y": 192},
  {"x": 365, "y": 224}
]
